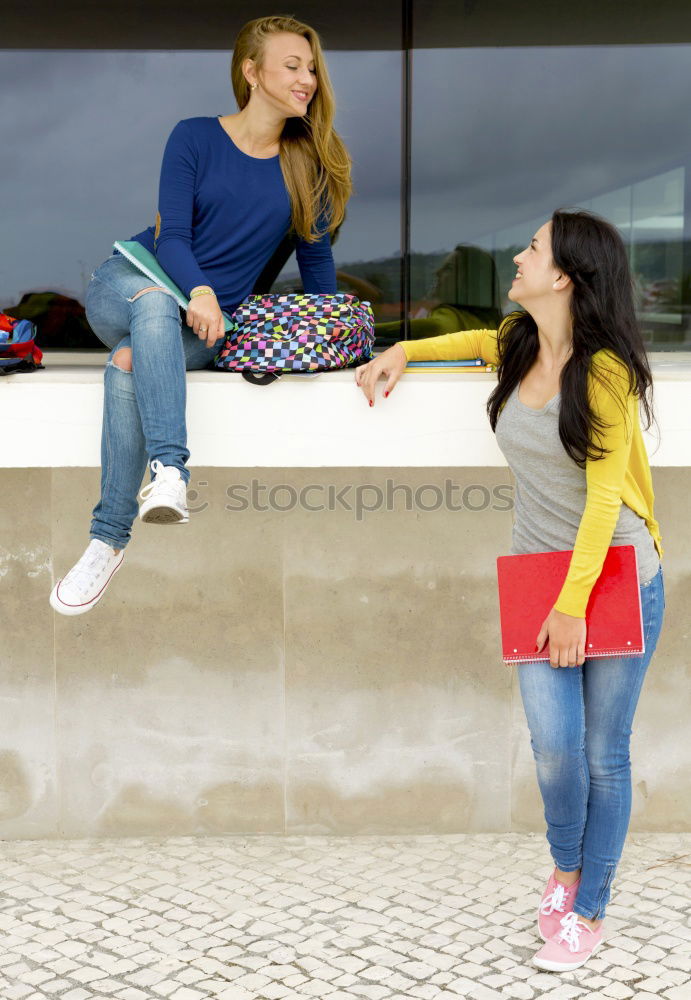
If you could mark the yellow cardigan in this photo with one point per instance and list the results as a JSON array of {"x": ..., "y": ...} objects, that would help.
[{"x": 622, "y": 476}]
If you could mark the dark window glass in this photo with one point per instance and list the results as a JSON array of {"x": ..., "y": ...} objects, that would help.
[
  {"x": 503, "y": 136},
  {"x": 83, "y": 137}
]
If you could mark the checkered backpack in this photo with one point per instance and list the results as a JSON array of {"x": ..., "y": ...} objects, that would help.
[{"x": 276, "y": 334}]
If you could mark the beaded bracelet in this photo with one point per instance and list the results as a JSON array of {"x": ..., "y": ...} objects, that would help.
[{"x": 202, "y": 291}]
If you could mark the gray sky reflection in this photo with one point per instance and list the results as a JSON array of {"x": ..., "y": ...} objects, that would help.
[
  {"x": 505, "y": 136},
  {"x": 84, "y": 133},
  {"x": 500, "y": 138}
]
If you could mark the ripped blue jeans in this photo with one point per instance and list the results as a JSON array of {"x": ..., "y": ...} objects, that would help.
[
  {"x": 580, "y": 722},
  {"x": 143, "y": 410}
]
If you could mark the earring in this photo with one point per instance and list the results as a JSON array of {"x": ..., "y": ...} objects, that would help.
[{"x": 253, "y": 86}]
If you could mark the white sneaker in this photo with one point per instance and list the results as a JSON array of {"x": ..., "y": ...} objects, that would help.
[
  {"x": 165, "y": 498},
  {"x": 86, "y": 582}
]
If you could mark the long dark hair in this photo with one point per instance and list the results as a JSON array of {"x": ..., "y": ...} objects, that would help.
[{"x": 591, "y": 252}]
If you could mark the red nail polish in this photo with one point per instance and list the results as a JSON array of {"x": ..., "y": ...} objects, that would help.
[
  {"x": 385, "y": 395},
  {"x": 371, "y": 403}
]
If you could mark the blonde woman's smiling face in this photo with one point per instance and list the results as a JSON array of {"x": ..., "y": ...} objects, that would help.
[{"x": 287, "y": 79}]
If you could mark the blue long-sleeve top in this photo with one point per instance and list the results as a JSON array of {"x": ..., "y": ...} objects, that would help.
[{"x": 222, "y": 214}]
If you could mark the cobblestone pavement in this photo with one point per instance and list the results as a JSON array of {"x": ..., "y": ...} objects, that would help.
[{"x": 362, "y": 918}]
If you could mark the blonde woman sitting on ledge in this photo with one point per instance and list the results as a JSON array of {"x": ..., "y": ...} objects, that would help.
[{"x": 231, "y": 188}]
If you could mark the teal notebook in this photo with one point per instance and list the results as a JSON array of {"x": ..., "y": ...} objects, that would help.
[{"x": 145, "y": 262}]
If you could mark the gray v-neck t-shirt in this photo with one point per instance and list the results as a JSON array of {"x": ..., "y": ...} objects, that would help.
[{"x": 550, "y": 491}]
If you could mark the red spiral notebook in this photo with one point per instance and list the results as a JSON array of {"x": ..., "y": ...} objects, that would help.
[{"x": 528, "y": 589}]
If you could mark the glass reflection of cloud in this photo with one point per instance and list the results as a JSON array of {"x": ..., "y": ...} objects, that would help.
[{"x": 532, "y": 129}]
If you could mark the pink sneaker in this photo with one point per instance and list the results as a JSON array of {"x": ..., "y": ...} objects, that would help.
[
  {"x": 570, "y": 947},
  {"x": 557, "y": 901}
]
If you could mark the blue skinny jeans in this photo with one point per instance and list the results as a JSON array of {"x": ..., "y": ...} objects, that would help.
[
  {"x": 580, "y": 722},
  {"x": 143, "y": 410}
]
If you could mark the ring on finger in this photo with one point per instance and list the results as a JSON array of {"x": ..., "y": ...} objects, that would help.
[{"x": 202, "y": 329}]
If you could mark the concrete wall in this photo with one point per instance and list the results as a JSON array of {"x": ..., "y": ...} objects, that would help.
[{"x": 297, "y": 671}]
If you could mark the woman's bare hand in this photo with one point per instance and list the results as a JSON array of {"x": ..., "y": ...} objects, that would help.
[
  {"x": 566, "y": 636},
  {"x": 391, "y": 363},
  {"x": 204, "y": 316}
]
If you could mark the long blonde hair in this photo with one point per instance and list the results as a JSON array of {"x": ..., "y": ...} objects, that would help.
[{"x": 314, "y": 160}]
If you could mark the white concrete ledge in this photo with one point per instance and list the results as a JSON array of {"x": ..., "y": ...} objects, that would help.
[{"x": 52, "y": 418}]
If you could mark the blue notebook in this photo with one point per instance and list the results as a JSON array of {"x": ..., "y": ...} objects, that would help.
[{"x": 471, "y": 363}]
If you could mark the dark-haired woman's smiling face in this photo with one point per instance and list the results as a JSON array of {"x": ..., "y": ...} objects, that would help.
[{"x": 536, "y": 272}]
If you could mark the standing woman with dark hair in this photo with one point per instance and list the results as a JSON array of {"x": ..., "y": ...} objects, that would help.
[
  {"x": 572, "y": 374},
  {"x": 231, "y": 188}
]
